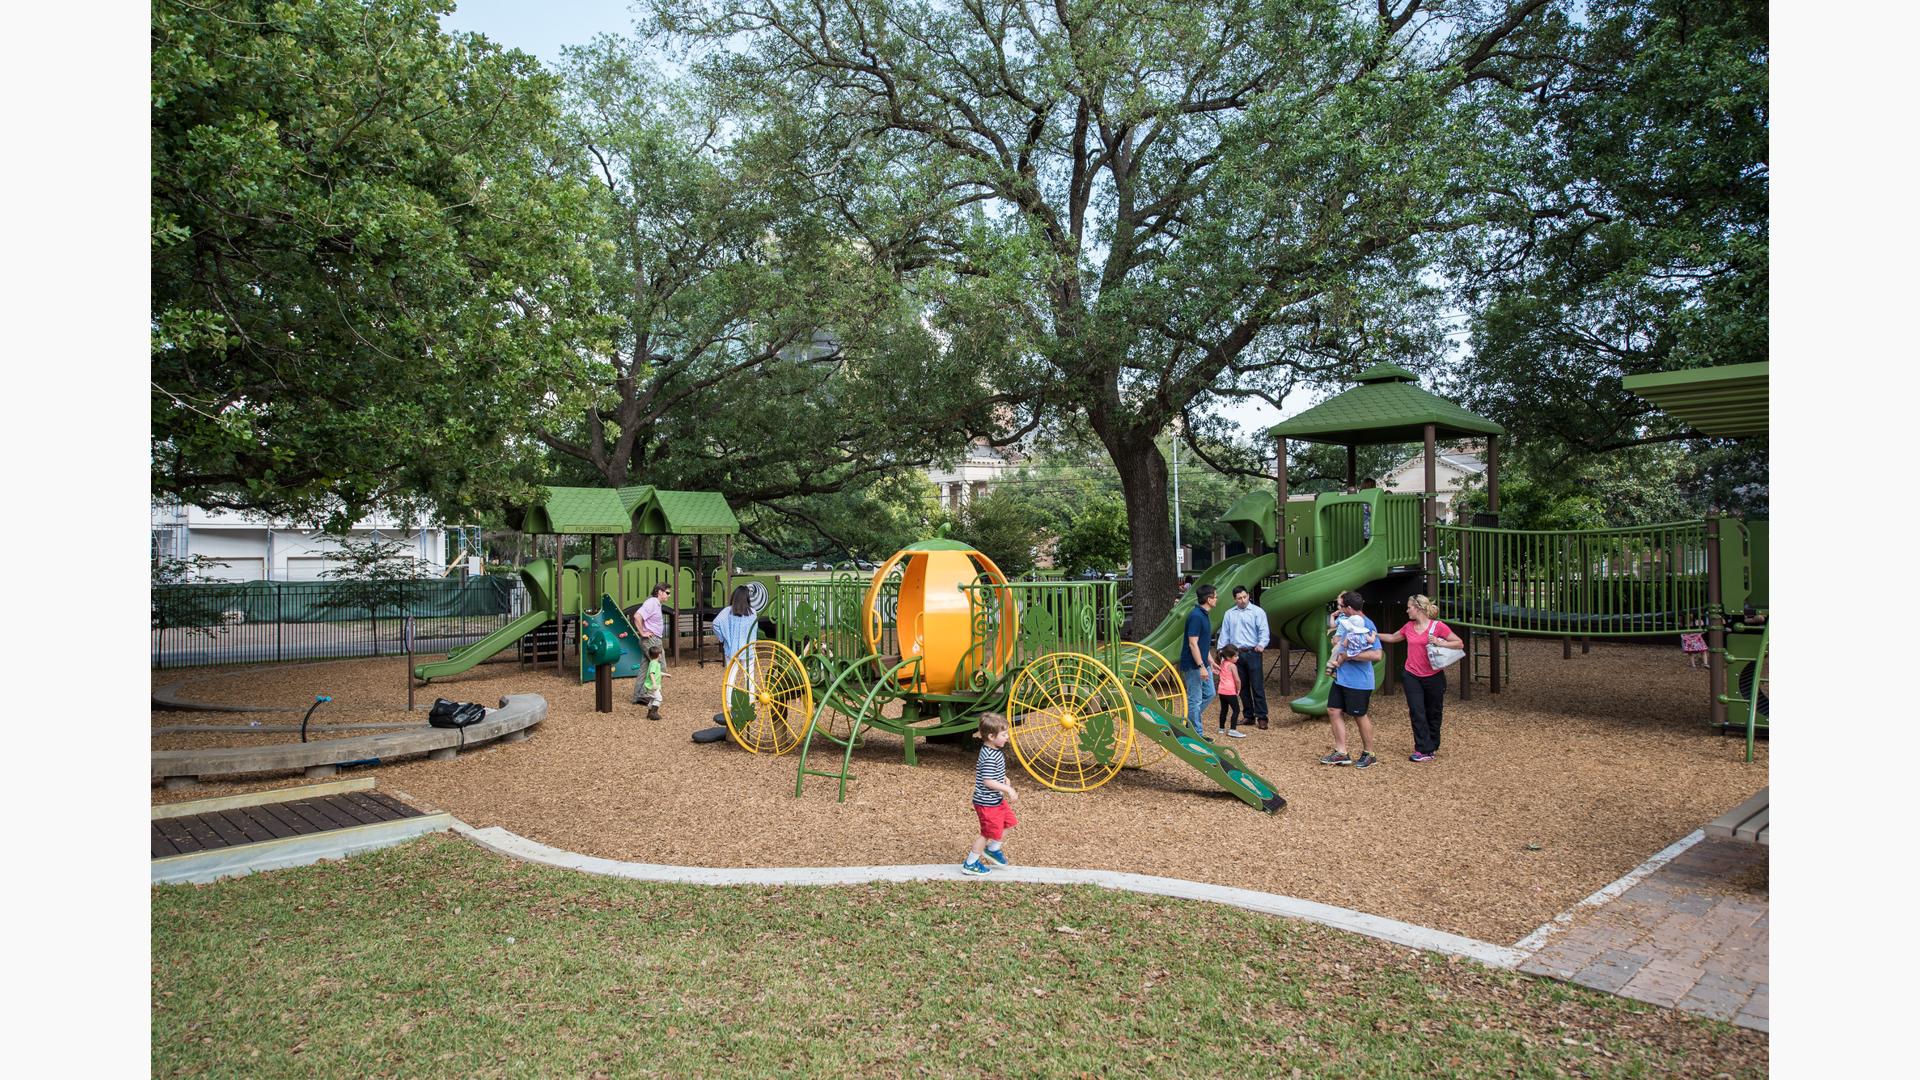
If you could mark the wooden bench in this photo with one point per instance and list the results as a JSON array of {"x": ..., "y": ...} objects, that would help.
[
  {"x": 508, "y": 723},
  {"x": 1746, "y": 823}
]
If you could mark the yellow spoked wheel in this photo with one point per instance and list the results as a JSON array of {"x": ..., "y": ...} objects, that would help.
[
  {"x": 1068, "y": 715},
  {"x": 1143, "y": 668},
  {"x": 766, "y": 698}
]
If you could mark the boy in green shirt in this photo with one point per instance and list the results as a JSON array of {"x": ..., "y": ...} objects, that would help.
[{"x": 650, "y": 685}]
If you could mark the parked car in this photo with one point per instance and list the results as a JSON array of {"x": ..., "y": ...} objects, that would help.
[{"x": 813, "y": 565}]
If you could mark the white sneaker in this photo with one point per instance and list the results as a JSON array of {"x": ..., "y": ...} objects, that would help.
[{"x": 1236, "y": 733}]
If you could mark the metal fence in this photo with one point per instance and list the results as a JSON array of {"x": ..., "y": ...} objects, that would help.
[{"x": 262, "y": 621}]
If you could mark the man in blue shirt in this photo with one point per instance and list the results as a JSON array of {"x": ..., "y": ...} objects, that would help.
[
  {"x": 1245, "y": 626},
  {"x": 1352, "y": 687},
  {"x": 1196, "y": 667}
]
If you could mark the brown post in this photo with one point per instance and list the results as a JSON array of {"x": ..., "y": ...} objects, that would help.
[
  {"x": 1716, "y": 632},
  {"x": 1279, "y": 639},
  {"x": 1353, "y": 465},
  {"x": 1493, "y": 474},
  {"x": 559, "y": 603},
  {"x": 699, "y": 645},
  {"x": 1566, "y": 648},
  {"x": 1494, "y": 640},
  {"x": 1428, "y": 505},
  {"x": 726, "y": 593},
  {"x": 675, "y": 645},
  {"x": 603, "y": 688},
  {"x": 1466, "y": 632}
]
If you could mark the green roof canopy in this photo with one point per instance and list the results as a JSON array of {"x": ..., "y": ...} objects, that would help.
[
  {"x": 1724, "y": 402},
  {"x": 1388, "y": 406},
  {"x": 685, "y": 513},
  {"x": 578, "y": 511},
  {"x": 633, "y": 495}
]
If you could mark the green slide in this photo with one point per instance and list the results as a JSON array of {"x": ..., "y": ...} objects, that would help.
[
  {"x": 462, "y": 659},
  {"x": 1219, "y": 763},
  {"x": 1298, "y": 609},
  {"x": 1240, "y": 570}
]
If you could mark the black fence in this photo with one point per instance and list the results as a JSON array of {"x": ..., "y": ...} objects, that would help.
[{"x": 257, "y": 621}]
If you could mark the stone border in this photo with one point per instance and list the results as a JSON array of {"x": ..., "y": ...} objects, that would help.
[
  {"x": 168, "y": 697},
  {"x": 1533, "y": 942},
  {"x": 502, "y": 842},
  {"x": 508, "y": 723}
]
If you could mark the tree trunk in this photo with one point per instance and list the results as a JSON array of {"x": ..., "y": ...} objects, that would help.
[{"x": 1143, "y": 483}]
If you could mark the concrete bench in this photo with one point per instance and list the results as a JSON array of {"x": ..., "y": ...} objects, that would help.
[
  {"x": 1746, "y": 823},
  {"x": 508, "y": 723}
]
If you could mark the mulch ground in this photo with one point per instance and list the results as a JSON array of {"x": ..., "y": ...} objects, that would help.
[{"x": 1572, "y": 776}]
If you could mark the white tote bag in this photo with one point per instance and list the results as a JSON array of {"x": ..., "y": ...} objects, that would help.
[{"x": 1440, "y": 658}]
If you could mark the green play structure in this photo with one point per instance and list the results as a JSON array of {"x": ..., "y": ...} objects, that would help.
[
  {"x": 1658, "y": 580},
  {"x": 569, "y": 596}
]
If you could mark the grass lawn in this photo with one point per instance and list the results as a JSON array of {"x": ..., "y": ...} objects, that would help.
[{"x": 437, "y": 958}]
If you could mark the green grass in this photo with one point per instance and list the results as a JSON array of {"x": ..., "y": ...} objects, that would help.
[{"x": 437, "y": 958}]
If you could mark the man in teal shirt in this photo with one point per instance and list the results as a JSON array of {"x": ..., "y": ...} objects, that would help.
[{"x": 1196, "y": 666}]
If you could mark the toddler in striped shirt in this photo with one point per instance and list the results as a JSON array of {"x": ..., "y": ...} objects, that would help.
[{"x": 993, "y": 798}]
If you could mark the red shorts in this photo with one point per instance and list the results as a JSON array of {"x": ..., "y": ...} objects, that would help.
[{"x": 995, "y": 820}]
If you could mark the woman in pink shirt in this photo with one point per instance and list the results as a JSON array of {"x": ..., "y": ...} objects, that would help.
[{"x": 1425, "y": 687}]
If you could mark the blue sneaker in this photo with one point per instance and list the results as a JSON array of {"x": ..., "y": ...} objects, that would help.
[
  {"x": 999, "y": 858},
  {"x": 975, "y": 869}
]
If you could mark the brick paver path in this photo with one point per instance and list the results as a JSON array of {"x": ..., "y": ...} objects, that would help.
[{"x": 1691, "y": 935}]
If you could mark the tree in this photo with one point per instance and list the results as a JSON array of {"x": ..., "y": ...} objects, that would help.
[
  {"x": 1097, "y": 539},
  {"x": 180, "y": 603},
  {"x": 362, "y": 257},
  {"x": 1652, "y": 255},
  {"x": 377, "y": 575},
  {"x": 736, "y": 341},
  {"x": 1150, "y": 205},
  {"x": 997, "y": 526}
]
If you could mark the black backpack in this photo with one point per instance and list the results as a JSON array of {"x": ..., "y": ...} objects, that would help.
[{"x": 455, "y": 714}]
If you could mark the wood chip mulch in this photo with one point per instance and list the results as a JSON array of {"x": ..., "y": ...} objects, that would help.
[{"x": 1572, "y": 776}]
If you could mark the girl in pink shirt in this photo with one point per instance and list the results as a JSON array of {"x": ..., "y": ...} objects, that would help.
[
  {"x": 1426, "y": 688},
  {"x": 1226, "y": 675}
]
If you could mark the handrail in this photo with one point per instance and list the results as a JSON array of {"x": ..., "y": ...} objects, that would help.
[{"x": 1617, "y": 582}]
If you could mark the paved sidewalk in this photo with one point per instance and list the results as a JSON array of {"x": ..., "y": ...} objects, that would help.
[{"x": 1691, "y": 935}]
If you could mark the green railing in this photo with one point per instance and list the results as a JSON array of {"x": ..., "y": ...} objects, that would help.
[
  {"x": 828, "y": 614},
  {"x": 1347, "y": 523},
  {"x": 1591, "y": 582},
  {"x": 1052, "y": 616}
]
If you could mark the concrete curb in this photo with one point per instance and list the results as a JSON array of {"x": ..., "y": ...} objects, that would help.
[
  {"x": 1533, "y": 942},
  {"x": 168, "y": 697},
  {"x": 502, "y": 842}
]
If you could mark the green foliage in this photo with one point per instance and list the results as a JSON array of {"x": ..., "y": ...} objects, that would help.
[
  {"x": 1637, "y": 486},
  {"x": 1129, "y": 213},
  {"x": 1096, "y": 539},
  {"x": 182, "y": 602},
  {"x": 1651, "y": 251},
  {"x": 1002, "y": 529},
  {"x": 361, "y": 257}
]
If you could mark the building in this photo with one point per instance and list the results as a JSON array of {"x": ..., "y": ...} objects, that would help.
[
  {"x": 258, "y": 549},
  {"x": 969, "y": 478},
  {"x": 1452, "y": 469}
]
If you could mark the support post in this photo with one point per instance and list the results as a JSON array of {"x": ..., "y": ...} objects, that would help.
[
  {"x": 1466, "y": 597},
  {"x": 1280, "y": 558},
  {"x": 675, "y": 632},
  {"x": 699, "y": 642},
  {"x": 1716, "y": 632},
  {"x": 1429, "y": 504},
  {"x": 1353, "y": 467},
  {"x": 559, "y": 604}
]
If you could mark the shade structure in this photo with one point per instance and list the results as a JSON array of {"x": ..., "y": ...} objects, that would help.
[
  {"x": 1387, "y": 405},
  {"x": 576, "y": 511},
  {"x": 1728, "y": 401},
  {"x": 684, "y": 513}
]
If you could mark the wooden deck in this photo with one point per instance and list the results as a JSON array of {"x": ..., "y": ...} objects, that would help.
[
  {"x": 235, "y": 826},
  {"x": 1746, "y": 823}
]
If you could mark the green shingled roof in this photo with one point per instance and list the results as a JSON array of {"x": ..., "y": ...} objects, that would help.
[
  {"x": 1725, "y": 401},
  {"x": 633, "y": 495},
  {"x": 578, "y": 511},
  {"x": 686, "y": 513},
  {"x": 1388, "y": 406}
]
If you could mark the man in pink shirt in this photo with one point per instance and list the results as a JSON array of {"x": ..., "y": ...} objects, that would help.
[{"x": 652, "y": 623}]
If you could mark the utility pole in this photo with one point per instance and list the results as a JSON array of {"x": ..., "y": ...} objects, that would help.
[{"x": 1176, "y": 499}]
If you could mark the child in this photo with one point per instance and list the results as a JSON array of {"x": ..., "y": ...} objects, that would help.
[
  {"x": 1226, "y": 675},
  {"x": 1355, "y": 639},
  {"x": 993, "y": 798},
  {"x": 1694, "y": 648},
  {"x": 649, "y": 687}
]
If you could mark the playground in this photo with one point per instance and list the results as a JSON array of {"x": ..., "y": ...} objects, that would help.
[{"x": 1539, "y": 797}]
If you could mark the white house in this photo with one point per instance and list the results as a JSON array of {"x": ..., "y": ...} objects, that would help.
[
  {"x": 1452, "y": 469},
  {"x": 969, "y": 478},
  {"x": 260, "y": 549}
]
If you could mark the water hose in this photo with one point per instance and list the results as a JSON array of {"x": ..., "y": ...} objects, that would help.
[{"x": 318, "y": 700}]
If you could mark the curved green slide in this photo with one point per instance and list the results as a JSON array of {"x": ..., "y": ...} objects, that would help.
[
  {"x": 1240, "y": 570},
  {"x": 536, "y": 576}
]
